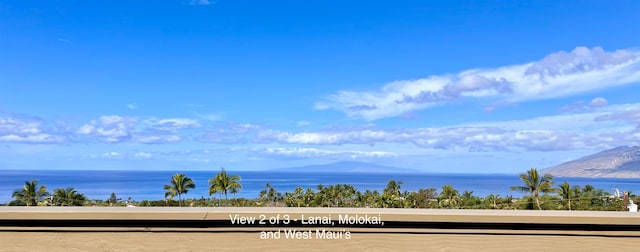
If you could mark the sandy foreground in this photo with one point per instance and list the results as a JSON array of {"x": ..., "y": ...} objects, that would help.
[{"x": 239, "y": 238}]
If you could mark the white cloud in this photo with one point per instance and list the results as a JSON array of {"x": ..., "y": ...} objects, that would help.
[
  {"x": 581, "y": 106},
  {"x": 598, "y": 102},
  {"x": 173, "y": 124},
  {"x": 156, "y": 139},
  {"x": 605, "y": 127},
  {"x": 112, "y": 154},
  {"x": 314, "y": 152},
  {"x": 115, "y": 129},
  {"x": 21, "y": 129},
  {"x": 557, "y": 75},
  {"x": 303, "y": 123},
  {"x": 229, "y": 133},
  {"x": 200, "y": 2},
  {"x": 110, "y": 129},
  {"x": 132, "y": 105},
  {"x": 326, "y": 137},
  {"x": 37, "y": 138},
  {"x": 121, "y": 155},
  {"x": 210, "y": 117},
  {"x": 630, "y": 114},
  {"x": 142, "y": 155}
]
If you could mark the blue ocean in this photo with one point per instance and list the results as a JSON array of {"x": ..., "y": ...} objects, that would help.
[{"x": 141, "y": 185}]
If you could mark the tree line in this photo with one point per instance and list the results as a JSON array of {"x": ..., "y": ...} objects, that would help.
[
  {"x": 33, "y": 195},
  {"x": 222, "y": 183},
  {"x": 540, "y": 193}
]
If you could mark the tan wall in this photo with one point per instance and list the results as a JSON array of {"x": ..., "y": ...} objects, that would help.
[{"x": 361, "y": 239}]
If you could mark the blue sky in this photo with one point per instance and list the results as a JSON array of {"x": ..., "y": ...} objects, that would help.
[{"x": 449, "y": 86}]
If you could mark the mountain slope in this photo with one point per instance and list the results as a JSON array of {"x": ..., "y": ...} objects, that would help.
[{"x": 620, "y": 162}]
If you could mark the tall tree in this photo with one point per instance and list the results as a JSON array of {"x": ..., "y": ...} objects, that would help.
[
  {"x": 308, "y": 197},
  {"x": 224, "y": 183},
  {"x": 113, "y": 199},
  {"x": 534, "y": 184},
  {"x": 234, "y": 185},
  {"x": 68, "y": 197},
  {"x": 468, "y": 200},
  {"x": 271, "y": 195},
  {"x": 30, "y": 194},
  {"x": 424, "y": 197},
  {"x": 449, "y": 196},
  {"x": 391, "y": 194},
  {"x": 179, "y": 184},
  {"x": 297, "y": 197},
  {"x": 490, "y": 201},
  {"x": 566, "y": 193}
]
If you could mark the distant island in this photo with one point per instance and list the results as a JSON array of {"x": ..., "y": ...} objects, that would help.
[
  {"x": 347, "y": 166},
  {"x": 619, "y": 162}
]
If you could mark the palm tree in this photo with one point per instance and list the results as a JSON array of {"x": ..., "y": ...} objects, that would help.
[
  {"x": 467, "y": 200},
  {"x": 309, "y": 195},
  {"x": 567, "y": 193},
  {"x": 68, "y": 196},
  {"x": 491, "y": 199},
  {"x": 272, "y": 196},
  {"x": 214, "y": 188},
  {"x": 393, "y": 188},
  {"x": 297, "y": 196},
  {"x": 31, "y": 194},
  {"x": 180, "y": 184},
  {"x": 534, "y": 184},
  {"x": 450, "y": 196},
  {"x": 224, "y": 183},
  {"x": 391, "y": 194},
  {"x": 234, "y": 185},
  {"x": 234, "y": 191}
]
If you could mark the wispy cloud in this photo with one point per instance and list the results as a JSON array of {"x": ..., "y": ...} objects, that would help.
[
  {"x": 121, "y": 155},
  {"x": 209, "y": 116},
  {"x": 142, "y": 155},
  {"x": 315, "y": 152},
  {"x": 115, "y": 129},
  {"x": 599, "y": 125},
  {"x": 229, "y": 133},
  {"x": 598, "y": 102},
  {"x": 589, "y": 130},
  {"x": 110, "y": 129},
  {"x": 113, "y": 155},
  {"x": 581, "y": 106},
  {"x": 200, "y": 2},
  {"x": 132, "y": 105},
  {"x": 631, "y": 115},
  {"x": 173, "y": 124},
  {"x": 15, "y": 128},
  {"x": 559, "y": 74},
  {"x": 160, "y": 138},
  {"x": 303, "y": 123}
]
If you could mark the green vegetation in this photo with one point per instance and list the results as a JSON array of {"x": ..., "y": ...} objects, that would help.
[
  {"x": 179, "y": 184},
  {"x": 567, "y": 193},
  {"x": 31, "y": 194},
  {"x": 534, "y": 184},
  {"x": 270, "y": 197},
  {"x": 67, "y": 197},
  {"x": 541, "y": 195},
  {"x": 223, "y": 183},
  {"x": 113, "y": 199}
]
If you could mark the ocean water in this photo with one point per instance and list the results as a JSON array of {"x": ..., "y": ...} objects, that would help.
[{"x": 141, "y": 185}]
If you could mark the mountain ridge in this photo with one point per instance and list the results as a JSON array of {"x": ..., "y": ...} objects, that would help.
[{"x": 618, "y": 162}]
